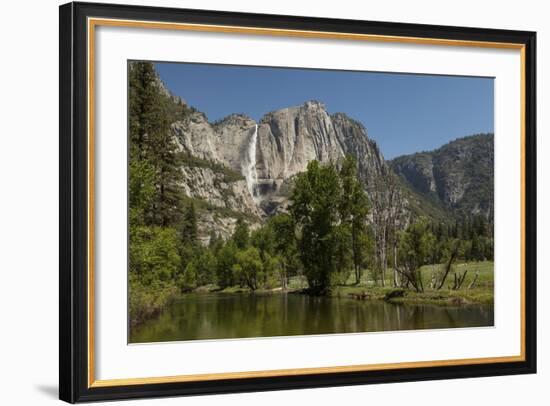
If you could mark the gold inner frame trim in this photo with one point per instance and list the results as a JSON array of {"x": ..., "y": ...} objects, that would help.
[{"x": 94, "y": 22}]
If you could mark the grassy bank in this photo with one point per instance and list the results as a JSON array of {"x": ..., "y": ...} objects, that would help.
[
  {"x": 482, "y": 292},
  {"x": 241, "y": 289}
]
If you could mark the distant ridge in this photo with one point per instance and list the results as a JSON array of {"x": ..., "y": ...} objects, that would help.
[{"x": 459, "y": 175}]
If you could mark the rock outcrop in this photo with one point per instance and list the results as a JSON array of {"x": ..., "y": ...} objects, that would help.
[
  {"x": 270, "y": 153},
  {"x": 288, "y": 139},
  {"x": 460, "y": 174}
]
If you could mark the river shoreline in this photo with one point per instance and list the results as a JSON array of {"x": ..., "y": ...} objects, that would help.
[{"x": 443, "y": 297}]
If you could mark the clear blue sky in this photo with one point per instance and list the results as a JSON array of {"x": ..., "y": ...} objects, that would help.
[{"x": 404, "y": 113}]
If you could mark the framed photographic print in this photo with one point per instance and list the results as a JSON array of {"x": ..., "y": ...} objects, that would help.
[{"x": 257, "y": 202}]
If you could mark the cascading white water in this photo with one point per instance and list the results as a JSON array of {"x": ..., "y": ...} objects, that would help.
[{"x": 249, "y": 167}]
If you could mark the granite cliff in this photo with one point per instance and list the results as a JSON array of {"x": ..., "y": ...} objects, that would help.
[
  {"x": 237, "y": 166},
  {"x": 459, "y": 175},
  {"x": 267, "y": 154}
]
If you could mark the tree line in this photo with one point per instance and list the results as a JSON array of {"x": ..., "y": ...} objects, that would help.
[{"x": 327, "y": 237}]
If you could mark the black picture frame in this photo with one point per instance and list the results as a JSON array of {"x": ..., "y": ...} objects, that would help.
[{"x": 74, "y": 385}]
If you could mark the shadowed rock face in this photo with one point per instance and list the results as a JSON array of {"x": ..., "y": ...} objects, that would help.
[
  {"x": 460, "y": 174},
  {"x": 287, "y": 140}
]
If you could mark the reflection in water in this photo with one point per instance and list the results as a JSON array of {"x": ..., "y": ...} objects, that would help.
[{"x": 209, "y": 316}]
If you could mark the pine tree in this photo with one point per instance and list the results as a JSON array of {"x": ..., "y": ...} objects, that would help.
[
  {"x": 215, "y": 241},
  {"x": 241, "y": 234},
  {"x": 151, "y": 114},
  {"x": 189, "y": 229}
]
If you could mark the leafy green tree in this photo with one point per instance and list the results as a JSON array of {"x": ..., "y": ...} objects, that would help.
[
  {"x": 414, "y": 252},
  {"x": 153, "y": 264},
  {"x": 141, "y": 191},
  {"x": 201, "y": 270},
  {"x": 187, "y": 279},
  {"x": 315, "y": 200},
  {"x": 354, "y": 208},
  {"x": 285, "y": 246},
  {"x": 226, "y": 259},
  {"x": 241, "y": 234},
  {"x": 341, "y": 238},
  {"x": 154, "y": 253},
  {"x": 249, "y": 267},
  {"x": 264, "y": 240},
  {"x": 272, "y": 272}
]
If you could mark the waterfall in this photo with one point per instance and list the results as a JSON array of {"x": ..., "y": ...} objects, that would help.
[{"x": 249, "y": 167}]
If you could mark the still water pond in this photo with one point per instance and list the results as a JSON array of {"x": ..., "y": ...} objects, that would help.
[{"x": 219, "y": 315}]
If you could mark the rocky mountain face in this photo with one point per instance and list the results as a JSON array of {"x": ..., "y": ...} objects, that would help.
[
  {"x": 266, "y": 155},
  {"x": 290, "y": 138},
  {"x": 238, "y": 167},
  {"x": 459, "y": 175}
]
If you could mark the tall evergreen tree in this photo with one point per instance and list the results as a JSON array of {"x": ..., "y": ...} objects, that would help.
[
  {"x": 241, "y": 234},
  {"x": 151, "y": 114},
  {"x": 189, "y": 229}
]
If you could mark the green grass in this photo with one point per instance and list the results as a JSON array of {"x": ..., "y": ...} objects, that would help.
[
  {"x": 236, "y": 289},
  {"x": 485, "y": 278},
  {"x": 482, "y": 292}
]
